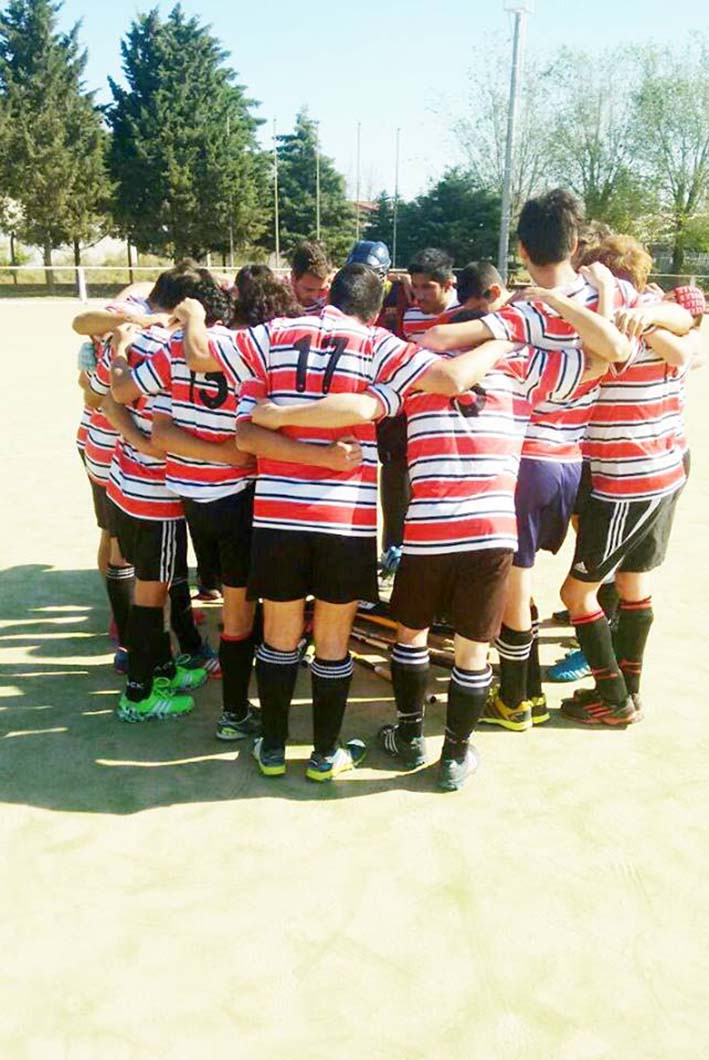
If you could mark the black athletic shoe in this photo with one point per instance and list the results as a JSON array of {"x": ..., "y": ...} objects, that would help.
[
  {"x": 409, "y": 753},
  {"x": 453, "y": 772}
]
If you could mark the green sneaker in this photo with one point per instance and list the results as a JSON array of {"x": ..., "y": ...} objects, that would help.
[
  {"x": 161, "y": 704},
  {"x": 187, "y": 678}
]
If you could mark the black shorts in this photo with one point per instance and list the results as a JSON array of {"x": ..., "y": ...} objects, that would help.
[
  {"x": 221, "y": 532},
  {"x": 101, "y": 503},
  {"x": 544, "y": 502},
  {"x": 622, "y": 535},
  {"x": 293, "y": 564},
  {"x": 584, "y": 490},
  {"x": 156, "y": 548},
  {"x": 470, "y": 588}
]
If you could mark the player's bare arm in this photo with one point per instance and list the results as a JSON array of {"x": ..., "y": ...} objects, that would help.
[
  {"x": 677, "y": 350},
  {"x": 195, "y": 340},
  {"x": 342, "y": 455},
  {"x": 597, "y": 334},
  {"x": 104, "y": 321},
  {"x": 123, "y": 389},
  {"x": 454, "y": 375},
  {"x": 667, "y": 315},
  {"x": 446, "y": 337},
  {"x": 170, "y": 438},
  {"x": 122, "y": 420}
]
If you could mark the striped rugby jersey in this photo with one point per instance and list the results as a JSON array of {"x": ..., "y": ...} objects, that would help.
[
  {"x": 300, "y": 360},
  {"x": 416, "y": 321},
  {"x": 464, "y": 453},
  {"x": 634, "y": 443},
  {"x": 204, "y": 405},
  {"x": 556, "y": 429},
  {"x": 101, "y": 436},
  {"x": 136, "y": 481},
  {"x": 86, "y": 363}
]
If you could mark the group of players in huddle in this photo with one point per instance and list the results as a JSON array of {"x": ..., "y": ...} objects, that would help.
[{"x": 251, "y": 416}]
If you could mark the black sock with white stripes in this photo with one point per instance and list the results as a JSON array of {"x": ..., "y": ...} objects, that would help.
[
  {"x": 276, "y": 673},
  {"x": 467, "y": 694},
  {"x": 534, "y": 670},
  {"x": 331, "y": 680},
  {"x": 594, "y": 636},
  {"x": 635, "y": 619},
  {"x": 410, "y": 669},
  {"x": 513, "y": 647},
  {"x": 145, "y": 630},
  {"x": 236, "y": 655},
  {"x": 182, "y": 619},
  {"x": 119, "y": 586}
]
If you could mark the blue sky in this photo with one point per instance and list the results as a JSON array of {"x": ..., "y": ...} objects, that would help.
[{"x": 384, "y": 63}]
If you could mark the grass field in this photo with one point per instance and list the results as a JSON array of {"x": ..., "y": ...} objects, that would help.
[{"x": 161, "y": 900}]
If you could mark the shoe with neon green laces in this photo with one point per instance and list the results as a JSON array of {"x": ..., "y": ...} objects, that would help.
[{"x": 161, "y": 705}]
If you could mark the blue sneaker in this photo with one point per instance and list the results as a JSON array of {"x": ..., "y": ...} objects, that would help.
[
  {"x": 204, "y": 659},
  {"x": 326, "y": 767},
  {"x": 271, "y": 763},
  {"x": 389, "y": 563},
  {"x": 571, "y": 668}
]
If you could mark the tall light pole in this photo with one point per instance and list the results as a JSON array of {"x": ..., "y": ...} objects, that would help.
[
  {"x": 276, "y": 216},
  {"x": 359, "y": 171},
  {"x": 396, "y": 197},
  {"x": 317, "y": 180},
  {"x": 520, "y": 12}
]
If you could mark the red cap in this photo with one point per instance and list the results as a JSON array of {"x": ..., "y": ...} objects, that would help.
[{"x": 692, "y": 299}]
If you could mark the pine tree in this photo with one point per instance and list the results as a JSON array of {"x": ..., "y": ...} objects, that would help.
[
  {"x": 52, "y": 142},
  {"x": 297, "y": 165},
  {"x": 183, "y": 153}
]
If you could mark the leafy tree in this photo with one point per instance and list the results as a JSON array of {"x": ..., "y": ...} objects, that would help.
[
  {"x": 672, "y": 138},
  {"x": 183, "y": 153},
  {"x": 454, "y": 214},
  {"x": 297, "y": 154},
  {"x": 483, "y": 137},
  {"x": 52, "y": 142}
]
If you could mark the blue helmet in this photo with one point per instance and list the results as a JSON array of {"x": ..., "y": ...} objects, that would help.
[{"x": 375, "y": 255}]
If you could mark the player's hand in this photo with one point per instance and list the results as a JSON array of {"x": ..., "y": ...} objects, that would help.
[
  {"x": 344, "y": 455},
  {"x": 122, "y": 338},
  {"x": 633, "y": 322},
  {"x": 267, "y": 414},
  {"x": 598, "y": 275},
  {"x": 189, "y": 309}
]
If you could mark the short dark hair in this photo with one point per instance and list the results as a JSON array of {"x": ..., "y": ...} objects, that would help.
[
  {"x": 434, "y": 263},
  {"x": 176, "y": 284},
  {"x": 548, "y": 226},
  {"x": 358, "y": 292},
  {"x": 310, "y": 257},
  {"x": 476, "y": 279}
]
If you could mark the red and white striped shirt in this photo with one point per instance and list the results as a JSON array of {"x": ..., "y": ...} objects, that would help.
[
  {"x": 203, "y": 405},
  {"x": 464, "y": 453},
  {"x": 101, "y": 436},
  {"x": 300, "y": 360},
  {"x": 416, "y": 321},
  {"x": 632, "y": 443},
  {"x": 556, "y": 429},
  {"x": 137, "y": 481}
]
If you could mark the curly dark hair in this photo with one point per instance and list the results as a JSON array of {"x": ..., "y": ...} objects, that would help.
[
  {"x": 249, "y": 274},
  {"x": 218, "y": 303},
  {"x": 262, "y": 298}
]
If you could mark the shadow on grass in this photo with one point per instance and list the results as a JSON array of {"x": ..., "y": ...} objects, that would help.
[{"x": 62, "y": 748}]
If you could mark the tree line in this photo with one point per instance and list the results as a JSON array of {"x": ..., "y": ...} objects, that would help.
[{"x": 172, "y": 164}]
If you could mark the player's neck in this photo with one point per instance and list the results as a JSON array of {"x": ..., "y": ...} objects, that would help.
[{"x": 552, "y": 275}]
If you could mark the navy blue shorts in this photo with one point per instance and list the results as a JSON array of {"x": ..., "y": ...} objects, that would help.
[{"x": 544, "y": 502}]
